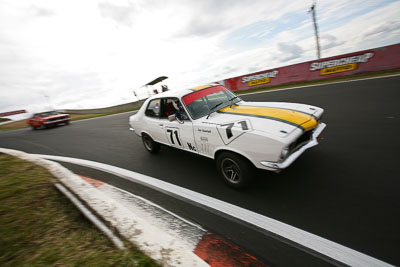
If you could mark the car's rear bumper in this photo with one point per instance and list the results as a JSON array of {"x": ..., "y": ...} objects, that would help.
[{"x": 276, "y": 166}]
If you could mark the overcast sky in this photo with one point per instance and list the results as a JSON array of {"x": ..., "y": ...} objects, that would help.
[{"x": 94, "y": 53}]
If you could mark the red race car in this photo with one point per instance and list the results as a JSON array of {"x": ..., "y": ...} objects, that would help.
[{"x": 47, "y": 119}]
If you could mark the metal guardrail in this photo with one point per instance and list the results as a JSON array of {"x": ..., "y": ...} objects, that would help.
[{"x": 118, "y": 108}]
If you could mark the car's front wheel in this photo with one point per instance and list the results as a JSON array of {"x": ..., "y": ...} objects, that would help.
[
  {"x": 150, "y": 145},
  {"x": 235, "y": 170}
]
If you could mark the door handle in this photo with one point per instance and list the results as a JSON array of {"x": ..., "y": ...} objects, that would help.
[{"x": 161, "y": 125}]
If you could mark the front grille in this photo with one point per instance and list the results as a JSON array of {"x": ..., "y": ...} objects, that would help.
[
  {"x": 301, "y": 141},
  {"x": 57, "y": 119}
]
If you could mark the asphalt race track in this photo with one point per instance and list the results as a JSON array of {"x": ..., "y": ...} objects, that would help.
[{"x": 345, "y": 190}]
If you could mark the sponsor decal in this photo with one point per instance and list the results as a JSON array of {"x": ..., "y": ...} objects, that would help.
[
  {"x": 340, "y": 64},
  {"x": 201, "y": 87},
  {"x": 204, "y": 130},
  {"x": 337, "y": 69},
  {"x": 187, "y": 99},
  {"x": 258, "y": 79},
  {"x": 204, "y": 146},
  {"x": 191, "y": 147}
]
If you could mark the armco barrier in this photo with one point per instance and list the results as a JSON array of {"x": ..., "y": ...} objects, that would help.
[
  {"x": 10, "y": 113},
  {"x": 119, "y": 108},
  {"x": 378, "y": 59}
]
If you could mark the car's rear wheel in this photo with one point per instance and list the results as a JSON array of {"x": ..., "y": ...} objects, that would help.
[
  {"x": 235, "y": 170},
  {"x": 150, "y": 145}
]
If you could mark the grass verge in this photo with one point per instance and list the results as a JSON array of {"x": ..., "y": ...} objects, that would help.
[
  {"x": 40, "y": 227},
  {"x": 4, "y": 119}
]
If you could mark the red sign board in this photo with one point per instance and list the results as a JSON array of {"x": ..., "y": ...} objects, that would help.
[
  {"x": 378, "y": 59},
  {"x": 10, "y": 113}
]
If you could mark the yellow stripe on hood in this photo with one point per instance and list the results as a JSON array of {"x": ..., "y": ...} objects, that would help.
[{"x": 295, "y": 118}]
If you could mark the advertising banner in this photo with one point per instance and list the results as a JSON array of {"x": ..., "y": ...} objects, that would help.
[
  {"x": 378, "y": 59},
  {"x": 10, "y": 113}
]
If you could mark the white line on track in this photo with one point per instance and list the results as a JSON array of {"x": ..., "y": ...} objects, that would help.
[{"x": 321, "y": 245}]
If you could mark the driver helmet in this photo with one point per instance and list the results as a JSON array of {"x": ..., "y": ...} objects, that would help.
[{"x": 175, "y": 104}]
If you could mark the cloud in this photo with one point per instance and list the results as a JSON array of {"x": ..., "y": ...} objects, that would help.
[
  {"x": 121, "y": 14},
  {"x": 40, "y": 11},
  {"x": 94, "y": 53},
  {"x": 385, "y": 28},
  {"x": 289, "y": 51},
  {"x": 328, "y": 41},
  {"x": 209, "y": 17},
  {"x": 201, "y": 27}
]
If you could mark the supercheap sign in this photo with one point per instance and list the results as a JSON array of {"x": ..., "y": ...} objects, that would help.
[
  {"x": 258, "y": 79},
  {"x": 371, "y": 60},
  {"x": 340, "y": 64}
]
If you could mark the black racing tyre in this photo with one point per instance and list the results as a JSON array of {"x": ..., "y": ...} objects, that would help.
[
  {"x": 150, "y": 145},
  {"x": 33, "y": 127},
  {"x": 235, "y": 170}
]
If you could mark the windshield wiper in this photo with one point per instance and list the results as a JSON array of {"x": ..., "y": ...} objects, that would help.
[
  {"x": 231, "y": 100},
  {"x": 212, "y": 109}
]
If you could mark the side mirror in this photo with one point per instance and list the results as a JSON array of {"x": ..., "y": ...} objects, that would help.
[{"x": 172, "y": 117}]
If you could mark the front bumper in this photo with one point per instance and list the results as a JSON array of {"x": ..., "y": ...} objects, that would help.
[{"x": 289, "y": 160}]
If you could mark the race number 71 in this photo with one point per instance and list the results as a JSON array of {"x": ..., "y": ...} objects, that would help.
[
  {"x": 231, "y": 131},
  {"x": 174, "y": 136}
]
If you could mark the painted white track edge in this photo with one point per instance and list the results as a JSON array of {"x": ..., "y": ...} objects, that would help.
[
  {"x": 157, "y": 244},
  {"x": 316, "y": 243},
  {"x": 91, "y": 217}
]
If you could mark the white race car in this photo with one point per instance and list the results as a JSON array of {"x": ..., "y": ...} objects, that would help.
[{"x": 212, "y": 121}]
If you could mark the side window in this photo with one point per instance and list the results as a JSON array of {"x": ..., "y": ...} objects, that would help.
[
  {"x": 173, "y": 106},
  {"x": 153, "y": 109}
]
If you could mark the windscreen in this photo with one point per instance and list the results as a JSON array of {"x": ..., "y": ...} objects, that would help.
[
  {"x": 49, "y": 113},
  {"x": 202, "y": 102}
]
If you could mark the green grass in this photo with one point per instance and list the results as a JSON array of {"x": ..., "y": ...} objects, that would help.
[
  {"x": 346, "y": 78},
  {"x": 40, "y": 227}
]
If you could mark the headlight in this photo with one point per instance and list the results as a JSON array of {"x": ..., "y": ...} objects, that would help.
[{"x": 285, "y": 152}]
